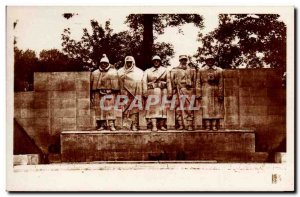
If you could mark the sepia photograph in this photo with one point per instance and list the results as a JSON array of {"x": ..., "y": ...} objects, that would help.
[{"x": 150, "y": 98}]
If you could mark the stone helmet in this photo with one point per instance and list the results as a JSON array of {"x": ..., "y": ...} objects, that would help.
[
  {"x": 181, "y": 57},
  {"x": 156, "y": 57},
  {"x": 129, "y": 59},
  {"x": 209, "y": 57},
  {"x": 104, "y": 59}
]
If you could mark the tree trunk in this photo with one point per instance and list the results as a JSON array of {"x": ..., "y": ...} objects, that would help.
[{"x": 147, "y": 41}]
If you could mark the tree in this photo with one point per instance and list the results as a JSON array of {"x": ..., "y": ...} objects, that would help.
[
  {"x": 55, "y": 61},
  {"x": 252, "y": 41},
  {"x": 148, "y": 25},
  {"x": 25, "y": 64},
  {"x": 116, "y": 46}
]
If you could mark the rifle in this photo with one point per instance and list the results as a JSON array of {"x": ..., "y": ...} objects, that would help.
[
  {"x": 158, "y": 77},
  {"x": 182, "y": 119}
]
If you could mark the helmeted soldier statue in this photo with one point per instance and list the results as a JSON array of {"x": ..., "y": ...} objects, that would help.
[
  {"x": 155, "y": 85},
  {"x": 212, "y": 93},
  {"x": 104, "y": 86},
  {"x": 130, "y": 78},
  {"x": 182, "y": 82}
]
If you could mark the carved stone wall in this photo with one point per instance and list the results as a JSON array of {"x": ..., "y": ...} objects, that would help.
[{"x": 254, "y": 99}]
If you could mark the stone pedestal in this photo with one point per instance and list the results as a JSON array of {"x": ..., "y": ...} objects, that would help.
[{"x": 220, "y": 146}]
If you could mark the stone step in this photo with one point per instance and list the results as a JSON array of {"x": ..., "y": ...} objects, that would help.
[{"x": 87, "y": 146}]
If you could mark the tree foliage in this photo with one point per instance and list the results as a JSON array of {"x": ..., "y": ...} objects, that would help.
[
  {"x": 55, "y": 61},
  {"x": 25, "y": 64},
  {"x": 252, "y": 41},
  {"x": 151, "y": 25},
  {"x": 102, "y": 40}
]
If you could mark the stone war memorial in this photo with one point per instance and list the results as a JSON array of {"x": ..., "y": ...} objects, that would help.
[
  {"x": 96, "y": 100},
  {"x": 59, "y": 121},
  {"x": 171, "y": 98}
]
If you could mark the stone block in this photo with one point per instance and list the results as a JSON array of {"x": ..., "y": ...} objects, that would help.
[
  {"x": 147, "y": 146},
  {"x": 275, "y": 120},
  {"x": 85, "y": 76},
  {"x": 119, "y": 119},
  {"x": 68, "y": 103},
  {"x": 83, "y": 94},
  {"x": 83, "y": 104},
  {"x": 54, "y": 82},
  {"x": 260, "y": 100},
  {"x": 17, "y": 113},
  {"x": 245, "y": 92},
  {"x": 275, "y": 92},
  {"x": 260, "y": 120},
  {"x": 231, "y": 73},
  {"x": 23, "y": 99},
  {"x": 231, "y": 83},
  {"x": 274, "y": 82},
  {"x": 62, "y": 94},
  {"x": 258, "y": 83},
  {"x": 246, "y": 100},
  {"x": 34, "y": 122},
  {"x": 231, "y": 105},
  {"x": 40, "y": 81},
  {"x": 198, "y": 116},
  {"x": 33, "y": 159},
  {"x": 142, "y": 120},
  {"x": 67, "y": 85},
  {"x": 84, "y": 121},
  {"x": 43, "y": 95},
  {"x": 82, "y": 85},
  {"x": 246, "y": 121},
  {"x": 231, "y": 120},
  {"x": 276, "y": 110},
  {"x": 170, "y": 119},
  {"x": 258, "y": 92},
  {"x": 20, "y": 160},
  {"x": 40, "y": 103},
  {"x": 231, "y": 92},
  {"x": 93, "y": 118},
  {"x": 56, "y": 103},
  {"x": 245, "y": 82},
  {"x": 246, "y": 73},
  {"x": 68, "y": 124},
  {"x": 34, "y": 113},
  {"x": 83, "y": 112},
  {"x": 253, "y": 110},
  {"x": 63, "y": 113},
  {"x": 56, "y": 125}
]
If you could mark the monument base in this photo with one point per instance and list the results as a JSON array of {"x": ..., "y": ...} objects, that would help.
[{"x": 172, "y": 145}]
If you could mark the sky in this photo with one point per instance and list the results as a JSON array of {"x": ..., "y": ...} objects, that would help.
[{"x": 40, "y": 28}]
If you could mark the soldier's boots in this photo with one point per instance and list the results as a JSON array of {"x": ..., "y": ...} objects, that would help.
[
  {"x": 112, "y": 126},
  {"x": 190, "y": 125},
  {"x": 100, "y": 126},
  {"x": 207, "y": 125},
  {"x": 163, "y": 126},
  {"x": 214, "y": 125},
  {"x": 154, "y": 124},
  {"x": 134, "y": 127},
  {"x": 180, "y": 124}
]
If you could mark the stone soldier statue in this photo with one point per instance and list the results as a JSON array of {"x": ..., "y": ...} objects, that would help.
[
  {"x": 182, "y": 82},
  {"x": 130, "y": 78},
  {"x": 155, "y": 86},
  {"x": 210, "y": 81},
  {"x": 105, "y": 86}
]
